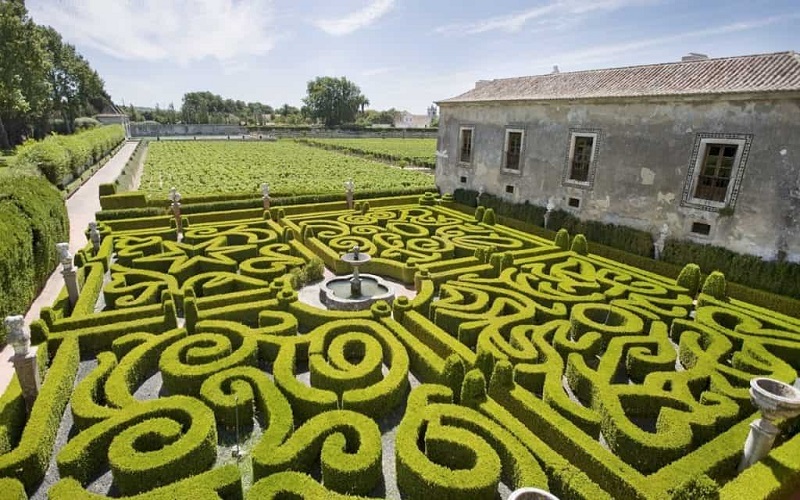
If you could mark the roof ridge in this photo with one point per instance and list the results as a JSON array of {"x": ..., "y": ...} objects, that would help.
[
  {"x": 652, "y": 65},
  {"x": 769, "y": 72}
]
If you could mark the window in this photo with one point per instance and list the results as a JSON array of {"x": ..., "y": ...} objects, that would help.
[
  {"x": 582, "y": 153},
  {"x": 715, "y": 172},
  {"x": 574, "y": 202},
  {"x": 512, "y": 153},
  {"x": 465, "y": 145},
  {"x": 701, "y": 228},
  {"x": 463, "y": 179},
  {"x": 509, "y": 189},
  {"x": 582, "y": 147}
]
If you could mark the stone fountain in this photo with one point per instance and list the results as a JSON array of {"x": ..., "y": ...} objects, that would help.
[
  {"x": 356, "y": 291},
  {"x": 776, "y": 400}
]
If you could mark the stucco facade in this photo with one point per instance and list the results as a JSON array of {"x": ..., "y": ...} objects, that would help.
[{"x": 645, "y": 159}]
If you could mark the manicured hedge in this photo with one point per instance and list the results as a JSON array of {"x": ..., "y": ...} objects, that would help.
[
  {"x": 62, "y": 157},
  {"x": 29, "y": 461},
  {"x": 347, "y": 445},
  {"x": 33, "y": 219},
  {"x": 465, "y": 454},
  {"x": 783, "y": 304},
  {"x": 772, "y": 276},
  {"x": 214, "y": 347},
  {"x": 293, "y": 485},
  {"x": 185, "y": 424},
  {"x": 224, "y": 482}
]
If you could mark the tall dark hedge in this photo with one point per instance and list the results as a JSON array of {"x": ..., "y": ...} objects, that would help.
[{"x": 33, "y": 218}]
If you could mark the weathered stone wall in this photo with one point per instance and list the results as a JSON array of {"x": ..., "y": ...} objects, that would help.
[
  {"x": 159, "y": 130},
  {"x": 643, "y": 154},
  {"x": 155, "y": 130}
]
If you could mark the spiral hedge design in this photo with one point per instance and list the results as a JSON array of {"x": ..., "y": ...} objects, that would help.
[{"x": 519, "y": 362}]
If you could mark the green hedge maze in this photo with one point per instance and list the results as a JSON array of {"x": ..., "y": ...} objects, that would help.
[{"x": 518, "y": 362}]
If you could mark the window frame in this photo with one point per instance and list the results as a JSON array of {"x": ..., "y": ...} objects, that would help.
[
  {"x": 574, "y": 134},
  {"x": 461, "y": 130},
  {"x": 504, "y": 153},
  {"x": 702, "y": 143}
]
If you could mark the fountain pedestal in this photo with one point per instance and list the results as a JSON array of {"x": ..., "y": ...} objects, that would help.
[{"x": 355, "y": 283}]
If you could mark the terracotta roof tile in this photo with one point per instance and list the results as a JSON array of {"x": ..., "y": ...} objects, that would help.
[{"x": 754, "y": 73}]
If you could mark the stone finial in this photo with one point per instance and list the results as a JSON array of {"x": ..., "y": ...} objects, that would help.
[
  {"x": 550, "y": 205},
  {"x": 174, "y": 195},
  {"x": 64, "y": 255},
  {"x": 19, "y": 339},
  {"x": 349, "y": 185},
  {"x": 265, "y": 189},
  {"x": 94, "y": 235}
]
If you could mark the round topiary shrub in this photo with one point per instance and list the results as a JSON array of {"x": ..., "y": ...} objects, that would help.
[
  {"x": 580, "y": 245},
  {"x": 715, "y": 286},
  {"x": 562, "y": 239},
  {"x": 689, "y": 278},
  {"x": 479, "y": 213}
]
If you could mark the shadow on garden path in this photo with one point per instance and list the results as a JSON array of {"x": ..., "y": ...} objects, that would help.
[{"x": 81, "y": 208}]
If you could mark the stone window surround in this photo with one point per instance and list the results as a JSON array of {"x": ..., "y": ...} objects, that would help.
[
  {"x": 508, "y": 130},
  {"x": 597, "y": 136},
  {"x": 472, "y": 146},
  {"x": 702, "y": 140}
]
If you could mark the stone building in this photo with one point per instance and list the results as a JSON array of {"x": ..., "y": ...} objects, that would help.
[
  {"x": 112, "y": 115},
  {"x": 703, "y": 149}
]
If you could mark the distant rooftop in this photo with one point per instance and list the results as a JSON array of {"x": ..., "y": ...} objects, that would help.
[{"x": 696, "y": 74}]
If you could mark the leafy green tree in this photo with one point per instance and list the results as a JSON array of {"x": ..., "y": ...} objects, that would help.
[
  {"x": 76, "y": 89},
  {"x": 334, "y": 101},
  {"x": 24, "y": 65}
]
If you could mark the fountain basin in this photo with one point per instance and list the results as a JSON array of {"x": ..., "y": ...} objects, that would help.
[
  {"x": 531, "y": 494},
  {"x": 336, "y": 292},
  {"x": 774, "y": 398}
]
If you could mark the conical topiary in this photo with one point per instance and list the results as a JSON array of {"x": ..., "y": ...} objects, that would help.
[
  {"x": 689, "y": 278},
  {"x": 489, "y": 217},
  {"x": 562, "y": 239},
  {"x": 580, "y": 245},
  {"x": 473, "y": 390},
  {"x": 454, "y": 375},
  {"x": 716, "y": 286}
]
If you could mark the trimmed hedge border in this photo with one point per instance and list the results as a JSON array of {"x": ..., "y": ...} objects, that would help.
[
  {"x": 61, "y": 158},
  {"x": 33, "y": 218},
  {"x": 29, "y": 461}
]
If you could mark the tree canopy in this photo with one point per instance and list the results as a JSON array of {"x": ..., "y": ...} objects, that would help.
[
  {"x": 334, "y": 101},
  {"x": 206, "y": 107},
  {"x": 42, "y": 79}
]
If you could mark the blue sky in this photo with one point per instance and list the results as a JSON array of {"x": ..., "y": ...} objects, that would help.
[{"x": 402, "y": 53}]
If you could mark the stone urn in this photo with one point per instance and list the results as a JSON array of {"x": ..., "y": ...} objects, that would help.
[{"x": 531, "y": 494}]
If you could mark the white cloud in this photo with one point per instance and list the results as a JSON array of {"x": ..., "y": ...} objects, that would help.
[
  {"x": 155, "y": 30},
  {"x": 556, "y": 13},
  {"x": 605, "y": 53},
  {"x": 356, "y": 20}
]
